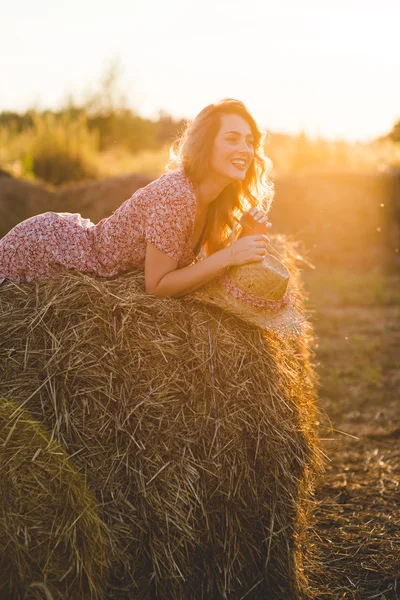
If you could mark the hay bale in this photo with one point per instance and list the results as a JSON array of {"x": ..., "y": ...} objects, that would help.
[
  {"x": 195, "y": 431},
  {"x": 99, "y": 199},
  {"x": 349, "y": 218},
  {"x": 52, "y": 540},
  {"x": 21, "y": 199}
]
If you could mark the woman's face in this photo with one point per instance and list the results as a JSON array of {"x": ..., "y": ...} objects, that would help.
[{"x": 233, "y": 148}]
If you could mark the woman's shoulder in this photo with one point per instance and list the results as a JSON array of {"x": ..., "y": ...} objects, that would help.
[{"x": 172, "y": 186}]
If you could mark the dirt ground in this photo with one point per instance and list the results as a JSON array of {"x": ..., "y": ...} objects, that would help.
[{"x": 356, "y": 535}]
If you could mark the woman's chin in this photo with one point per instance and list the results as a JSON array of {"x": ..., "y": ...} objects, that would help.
[
  {"x": 231, "y": 175},
  {"x": 236, "y": 174},
  {"x": 239, "y": 176}
]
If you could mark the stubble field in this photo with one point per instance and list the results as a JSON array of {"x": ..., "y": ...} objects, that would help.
[{"x": 356, "y": 532}]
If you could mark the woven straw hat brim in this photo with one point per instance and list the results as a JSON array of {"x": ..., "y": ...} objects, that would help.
[{"x": 290, "y": 321}]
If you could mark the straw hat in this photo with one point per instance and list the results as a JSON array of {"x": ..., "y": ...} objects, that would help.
[{"x": 260, "y": 293}]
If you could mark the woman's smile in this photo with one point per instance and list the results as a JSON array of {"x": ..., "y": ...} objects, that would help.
[{"x": 239, "y": 164}]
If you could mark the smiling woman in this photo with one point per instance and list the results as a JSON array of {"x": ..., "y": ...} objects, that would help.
[
  {"x": 219, "y": 172},
  {"x": 211, "y": 397},
  {"x": 222, "y": 153}
]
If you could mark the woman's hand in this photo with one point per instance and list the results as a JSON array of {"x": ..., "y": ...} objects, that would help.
[
  {"x": 251, "y": 248},
  {"x": 253, "y": 241},
  {"x": 254, "y": 221}
]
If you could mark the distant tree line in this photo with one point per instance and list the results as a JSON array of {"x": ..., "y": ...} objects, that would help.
[
  {"x": 103, "y": 136},
  {"x": 121, "y": 126},
  {"x": 394, "y": 135}
]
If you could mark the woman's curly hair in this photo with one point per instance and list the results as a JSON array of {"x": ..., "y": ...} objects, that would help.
[{"x": 193, "y": 150}]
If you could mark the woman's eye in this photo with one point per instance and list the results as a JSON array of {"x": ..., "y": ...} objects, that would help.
[{"x": 234, "y": 141}]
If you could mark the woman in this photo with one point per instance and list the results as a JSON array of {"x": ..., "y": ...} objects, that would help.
[{"x": 163, "y": 226}]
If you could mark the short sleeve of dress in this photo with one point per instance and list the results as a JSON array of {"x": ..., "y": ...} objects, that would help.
[{"x": 169, "y": 219}]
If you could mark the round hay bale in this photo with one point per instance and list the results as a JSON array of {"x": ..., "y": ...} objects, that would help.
[
  {"x": 195, "y": 430},
  {"x": 52, "y": 541},
  {"x": 21, "y": 199},
  {"x": 98, "y": 199}
]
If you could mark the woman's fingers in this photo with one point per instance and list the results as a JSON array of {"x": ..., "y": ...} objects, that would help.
[
  {"x": 252, "y": 248},
  {"x": 258, "y": 215}
]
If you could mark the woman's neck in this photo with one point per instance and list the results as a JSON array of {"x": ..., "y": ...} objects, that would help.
[{"x": 209, "y": 189}]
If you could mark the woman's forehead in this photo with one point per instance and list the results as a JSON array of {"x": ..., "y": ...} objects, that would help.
[{"x": 232, "y": 122}]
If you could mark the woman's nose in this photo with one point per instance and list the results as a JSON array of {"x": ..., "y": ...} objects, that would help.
[{"x": 245, "y": 147}]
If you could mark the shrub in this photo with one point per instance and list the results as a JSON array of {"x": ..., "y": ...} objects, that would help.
[{"x": 63, "y": 150}]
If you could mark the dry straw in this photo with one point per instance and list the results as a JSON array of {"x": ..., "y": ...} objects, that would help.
[
  {"x": 52, "y": 540},
  {"x": 195, "y": 431}
]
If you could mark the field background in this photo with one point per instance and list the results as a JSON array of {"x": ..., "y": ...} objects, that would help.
[
  {"x": 342, "y": 201},
  {"x": 357, "y": 518}
]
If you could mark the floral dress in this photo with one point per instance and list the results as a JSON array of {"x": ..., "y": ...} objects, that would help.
[{"x": 162, "y": 213}]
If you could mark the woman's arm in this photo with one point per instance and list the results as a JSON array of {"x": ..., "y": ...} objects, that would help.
[{"x": 162, "y": 278}]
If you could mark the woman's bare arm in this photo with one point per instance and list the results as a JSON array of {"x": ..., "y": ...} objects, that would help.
[{"x": 163, "y": 278}]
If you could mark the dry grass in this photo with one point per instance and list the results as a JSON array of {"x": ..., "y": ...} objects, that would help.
[
  {"x": 52, "y": 540},
  {"x": 195, "y": 432},
  {"x": 118, "y": 161},
  {"x": 357, "y": 519},
  {"x": 71, "y": 136}
]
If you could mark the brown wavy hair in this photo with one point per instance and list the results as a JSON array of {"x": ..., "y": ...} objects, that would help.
[{"x": 193, "y": 150}]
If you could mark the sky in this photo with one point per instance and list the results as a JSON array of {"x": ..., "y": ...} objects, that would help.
[{"x": 329, "y": 68}]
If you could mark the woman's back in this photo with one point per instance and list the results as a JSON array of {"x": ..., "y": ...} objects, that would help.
[{"x": 161, "y": 213}]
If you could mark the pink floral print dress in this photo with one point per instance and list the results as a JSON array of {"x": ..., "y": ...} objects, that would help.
[{"x": 161, "y": 213}]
